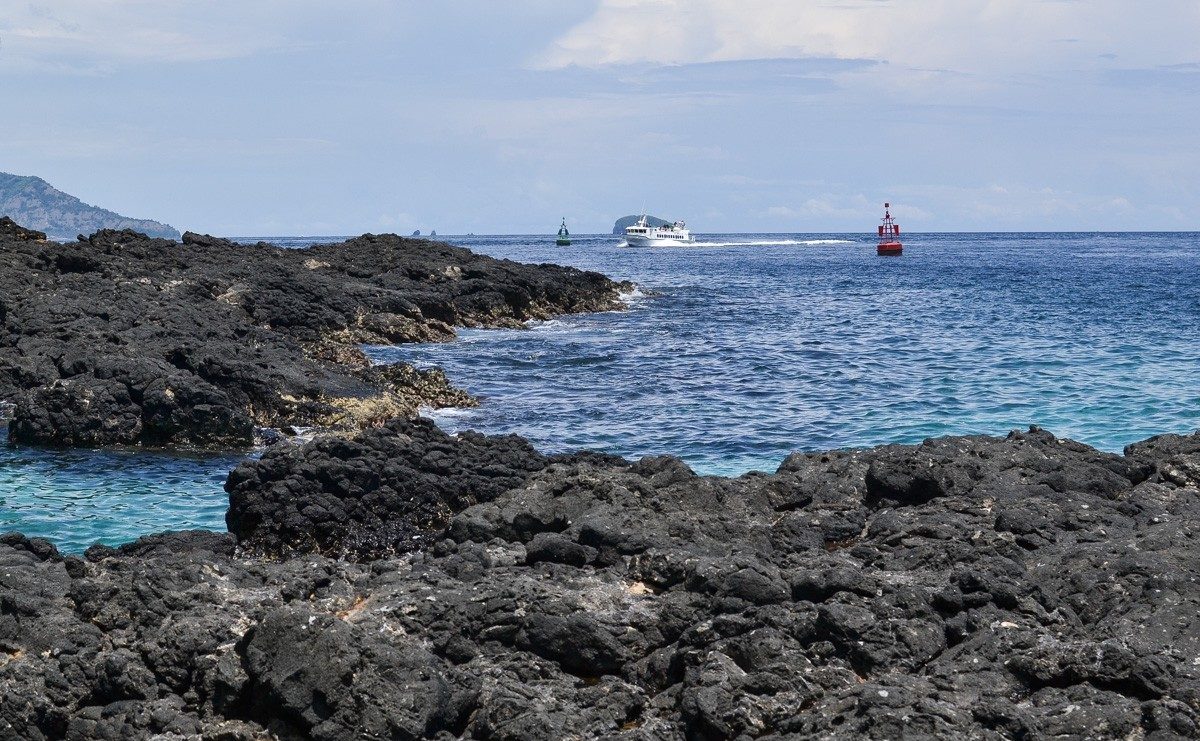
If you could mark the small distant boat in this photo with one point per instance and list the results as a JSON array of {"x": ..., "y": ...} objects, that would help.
[
  {"x": 642, "y": 234},
  {"x": 889, "y": 234},
  {"x": 564, "y": 236}
]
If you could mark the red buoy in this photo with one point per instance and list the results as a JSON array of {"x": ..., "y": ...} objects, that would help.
[{"x": 889, "y": 234}]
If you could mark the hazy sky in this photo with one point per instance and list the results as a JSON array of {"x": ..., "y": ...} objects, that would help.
[{"x": 276, "y": 117}]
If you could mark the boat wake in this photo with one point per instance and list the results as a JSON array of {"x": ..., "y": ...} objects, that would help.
[
  {"x": 754, "y": 243},
  {"x": 773, "y": 242}
]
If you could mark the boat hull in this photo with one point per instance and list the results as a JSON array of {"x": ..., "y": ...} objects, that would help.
[{"x": 635, "y": 241}]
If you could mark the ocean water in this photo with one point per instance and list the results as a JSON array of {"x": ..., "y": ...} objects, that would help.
[
  {"x": 79, "y": 497},
  {"x": 743, "y": 348}
]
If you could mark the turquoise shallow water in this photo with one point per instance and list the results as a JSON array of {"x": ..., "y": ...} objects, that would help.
[
  {"x": 746, "y": 347},
  {"x": 80, "y": 497}
]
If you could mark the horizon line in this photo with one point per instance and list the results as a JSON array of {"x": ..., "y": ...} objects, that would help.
[{"x": 871, "y": 234}]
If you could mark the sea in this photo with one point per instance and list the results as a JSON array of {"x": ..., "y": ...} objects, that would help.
[{"x": 741, "y": 348}]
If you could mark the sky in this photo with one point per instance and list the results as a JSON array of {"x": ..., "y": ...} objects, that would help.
[{"x": 296, "y": 117}]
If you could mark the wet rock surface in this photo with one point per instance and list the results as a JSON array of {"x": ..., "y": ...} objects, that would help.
[
  {"x": 119, "y": 339},
  {"x": 972, "y": 587}
]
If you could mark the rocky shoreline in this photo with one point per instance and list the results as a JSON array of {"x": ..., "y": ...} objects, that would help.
[
  {"x": 408, "y": 584},
  {"x": 120, "y": 339},
  {"x": 396, "y": 582}
]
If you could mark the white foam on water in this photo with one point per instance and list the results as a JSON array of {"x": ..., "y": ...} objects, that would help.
[
  {"x": 636, "y": 297},
  {"x": 774, "y": 243},
  {"x": 545, "y": 325},
  {"x": 306, "y": 434},
  {"x": 447, "y": 413}
]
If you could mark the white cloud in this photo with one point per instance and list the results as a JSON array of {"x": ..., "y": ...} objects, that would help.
[{"x": 963, "y": 35}]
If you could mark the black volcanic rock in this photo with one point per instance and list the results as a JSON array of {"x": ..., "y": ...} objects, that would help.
[
  {"x": 977, "y": 587},
  {"x": 10, "y": 229},
  {"x": 387, "y": 491},
  {"x": 119, "y": 339}
]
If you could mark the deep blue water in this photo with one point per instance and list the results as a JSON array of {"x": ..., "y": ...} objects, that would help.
[
  {"x": 745, "y": 352},
  {"x": 746, "y": 347}
]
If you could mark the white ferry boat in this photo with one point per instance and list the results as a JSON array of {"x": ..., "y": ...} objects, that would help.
[{"x": 642, "y": 234}]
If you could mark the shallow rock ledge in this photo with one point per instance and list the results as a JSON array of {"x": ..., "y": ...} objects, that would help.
[
  {"x": 969, "y": 587},
  {"x": 119, "y": 339}
]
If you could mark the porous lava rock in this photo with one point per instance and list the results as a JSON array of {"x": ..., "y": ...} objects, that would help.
[
  {"x": 968, "y": 587},
  {"x": 386, "y": 491},
  {"x": 10, "y": 229},
  {"x": 120, "y": 339}
]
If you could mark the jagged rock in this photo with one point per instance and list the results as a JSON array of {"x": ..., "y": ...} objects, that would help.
[
  {"x": 978, "y": 587},
  {"x": 10, "y": 229},
  {"x": 387, "y": 491},
  {"x": 120, "y": 339}
]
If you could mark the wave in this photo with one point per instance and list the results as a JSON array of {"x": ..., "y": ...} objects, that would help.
[
  {"x": 548, "y": 324},
  {"x": 635, "y": 296},
  {"x": 446, "y": 414}
]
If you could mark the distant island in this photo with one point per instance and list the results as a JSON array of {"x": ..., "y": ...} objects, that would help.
[
  {"x": 624, "y": 221},
  {"x": 35, "y": 204}
]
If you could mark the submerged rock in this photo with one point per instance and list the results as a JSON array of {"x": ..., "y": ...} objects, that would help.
[
  {"x": 971, "y": 587},
  {"x": 120, "y": 339}
]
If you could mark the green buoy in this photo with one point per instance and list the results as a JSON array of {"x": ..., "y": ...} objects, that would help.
[{"x": 564, "y": 236}]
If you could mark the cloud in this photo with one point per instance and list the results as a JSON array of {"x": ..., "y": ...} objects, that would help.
[
  {"x": 271, "y": 115},
  {"x": 966, "y": 35},
  {"x": 1025, "y": 205},
  {"x": 95, "y": 36},
  {"x": 831, "y": 209}
]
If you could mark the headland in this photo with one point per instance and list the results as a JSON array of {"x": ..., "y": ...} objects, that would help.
[{"x": 121, "y": 339}]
